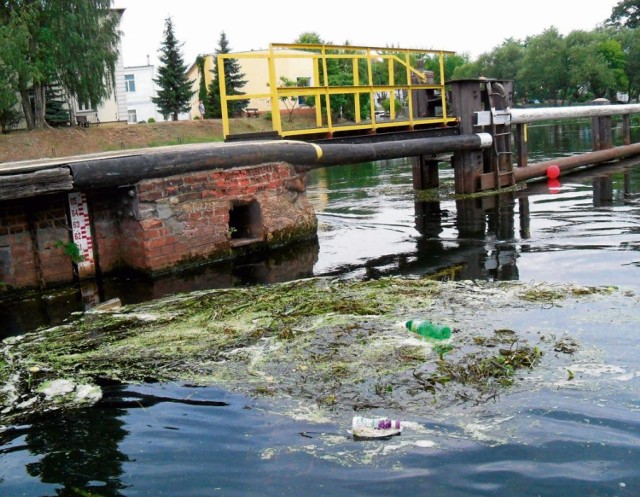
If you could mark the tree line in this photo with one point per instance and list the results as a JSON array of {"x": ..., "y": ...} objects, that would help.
[
  {"x": 55, "y": 48},
  {"x": 59, "y": 51},
  {"x": 557, "y": 69},
  {"x": 548, "y": 68}
]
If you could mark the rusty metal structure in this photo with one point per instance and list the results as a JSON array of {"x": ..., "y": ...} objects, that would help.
[{"x": 486, "y": 106}]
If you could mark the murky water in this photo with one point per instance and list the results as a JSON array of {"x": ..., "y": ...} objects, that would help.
[{"x": 576, "y": 438}]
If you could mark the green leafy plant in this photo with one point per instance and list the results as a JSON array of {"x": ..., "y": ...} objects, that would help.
[
  {"x": 71, "y": 250},
  {"x": 442, "y": 350}
]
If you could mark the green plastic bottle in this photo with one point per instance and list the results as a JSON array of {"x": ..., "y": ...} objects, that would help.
[{"x": 428, "y": 329}]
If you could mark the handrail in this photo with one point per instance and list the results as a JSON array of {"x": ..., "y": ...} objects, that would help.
[
  {"x": 362, "y": 86},
  {"x": 524, "y": 116}
]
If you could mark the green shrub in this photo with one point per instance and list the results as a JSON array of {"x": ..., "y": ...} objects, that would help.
[
  {"x": 386, "y": 105},
  {"x": 267, "y": 116},
  {"x": 151, "y": 120},
  {"x": 9, "y": 119}
]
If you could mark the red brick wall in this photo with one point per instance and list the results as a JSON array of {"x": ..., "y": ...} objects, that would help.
[
  {"x": 17, "y": 265},
  {"x": 20, "y": 222},
  {"x": 185, "y": 219},
  {"x": 156, "y": 225}
]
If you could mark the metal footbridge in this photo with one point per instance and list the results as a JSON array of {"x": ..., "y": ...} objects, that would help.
[{"x": 346, "y": 90}]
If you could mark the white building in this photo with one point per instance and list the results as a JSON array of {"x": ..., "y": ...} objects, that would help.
[{"x": 140, "y": 89}]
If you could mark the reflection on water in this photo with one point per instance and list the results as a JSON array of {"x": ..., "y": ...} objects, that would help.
[
  {"x": 583, "y": 439},
  {"x": 525, "y": 234},
  {"x": 209, "y": 442},
  {"x": 78, "y": 454},
  {"x": 272, "y": 267}
]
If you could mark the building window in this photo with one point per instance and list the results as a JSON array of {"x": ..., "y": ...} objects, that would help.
[
  {"x": 133, "y": 117},
  {"x": 129, "y": 83}
]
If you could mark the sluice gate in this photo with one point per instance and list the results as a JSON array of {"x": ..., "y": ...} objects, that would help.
[{"x": 157, "y": 210}]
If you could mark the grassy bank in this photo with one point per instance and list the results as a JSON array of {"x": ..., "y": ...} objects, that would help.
[{"x": 63, "y": 142}]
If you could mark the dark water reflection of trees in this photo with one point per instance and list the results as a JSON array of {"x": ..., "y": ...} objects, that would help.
[{"x": 78, "y": 454}]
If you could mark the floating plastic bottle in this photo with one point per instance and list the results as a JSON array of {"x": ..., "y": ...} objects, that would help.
[
  {"x": 375, "y": 427},
  {"x": 428, "y": 329},
  {"x": 375, "y": 423}
]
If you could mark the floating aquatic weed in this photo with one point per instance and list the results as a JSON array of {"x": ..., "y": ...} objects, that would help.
[
  {"x": 540, "y": 293},
  {"x": 543, "y": 295},
  {"x": 324, "y": 342},
  {"x": 442, "y": 350},
  {"x": 566, "y": 345}
]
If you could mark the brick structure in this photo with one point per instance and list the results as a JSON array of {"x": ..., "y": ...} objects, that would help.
[
  {"x": 160, "y": 224},
  {"x": 31, "y": 234}
]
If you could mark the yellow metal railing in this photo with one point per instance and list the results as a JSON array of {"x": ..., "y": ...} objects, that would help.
[{"x": 395, "y": 65}]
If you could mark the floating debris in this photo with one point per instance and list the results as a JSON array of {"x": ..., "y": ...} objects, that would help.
[{"x": 332, "y": 344}]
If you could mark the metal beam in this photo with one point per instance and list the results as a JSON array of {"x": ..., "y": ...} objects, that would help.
[
  {"x": 523, "y": 116},
  {"x": 566, "y": 163},
  {"x": 157, "y": 163}
]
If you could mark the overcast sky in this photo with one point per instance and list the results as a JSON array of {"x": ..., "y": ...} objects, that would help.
[{"x": 462, "y": 26}]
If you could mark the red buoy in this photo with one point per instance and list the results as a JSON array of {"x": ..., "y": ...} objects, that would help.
[
  {"x": 554, "y": 186},
  {"x": 553, "y": 171}
]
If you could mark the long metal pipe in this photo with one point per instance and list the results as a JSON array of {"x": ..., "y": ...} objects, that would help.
[
  {"x": 566, "y": 163},
  {"x": 128, "y": 169},
  {"x": 524, "y": 116},
  {"x": 335, "y": 154}
]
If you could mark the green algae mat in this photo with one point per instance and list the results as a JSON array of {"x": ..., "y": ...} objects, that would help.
[{"x": 332, "y": 345}]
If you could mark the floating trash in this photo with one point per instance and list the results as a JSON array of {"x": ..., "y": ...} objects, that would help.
[{"x": 362, "y": 427}]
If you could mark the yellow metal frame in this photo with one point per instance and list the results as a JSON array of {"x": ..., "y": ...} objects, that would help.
[{"x": 323, "y": 90}]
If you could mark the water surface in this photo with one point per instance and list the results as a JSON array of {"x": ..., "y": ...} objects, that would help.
[{"x": 578, "y": 437}]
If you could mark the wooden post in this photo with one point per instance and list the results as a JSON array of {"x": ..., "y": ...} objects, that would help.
[
  {"x": 601, "y": 128},
  {"x": 595, "y": 134},
  {"x": 601, "y": 132},
  {"x": 468, "y": 165},
  {"x": 606, "y": 135},
  {"x": 626, "y": 129},
  {"x": 521, "y": 145},
  {"x": 425, "y": 173}
]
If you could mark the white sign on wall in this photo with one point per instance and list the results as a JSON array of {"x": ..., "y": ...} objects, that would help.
[{"x": 81, "y": 232}]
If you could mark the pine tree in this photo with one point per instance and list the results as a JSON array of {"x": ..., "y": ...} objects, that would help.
[
  {"x": 56, "y": 113},
  {"x": 202, "y": 85},
  {"x": 174, "y": 94},
  {"x": 234, "y": 81}
]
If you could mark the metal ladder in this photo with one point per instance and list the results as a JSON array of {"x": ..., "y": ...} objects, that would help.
[{"x": 501, "y": 162}]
